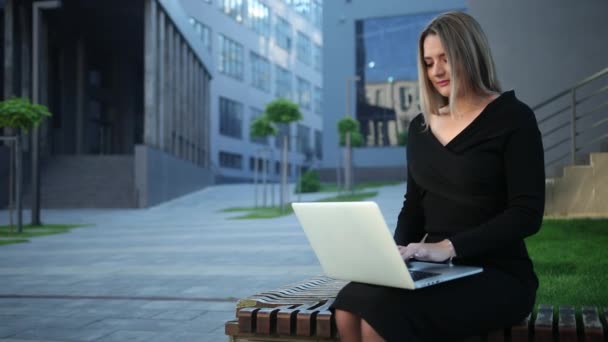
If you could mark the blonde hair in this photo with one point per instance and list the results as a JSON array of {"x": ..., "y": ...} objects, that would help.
[{"x": 469, "y": 58}]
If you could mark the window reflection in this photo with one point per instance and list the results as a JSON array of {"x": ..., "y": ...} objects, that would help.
[{"x": 387, "y": 93}]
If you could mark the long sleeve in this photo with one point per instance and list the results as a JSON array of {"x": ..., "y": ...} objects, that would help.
[
  {"x": 525, "y": 188},
  {"x": 410, "y": 223}
]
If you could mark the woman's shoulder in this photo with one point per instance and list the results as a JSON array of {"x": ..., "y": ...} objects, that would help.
[
  {"x": 516, "y": 113},
  {"x": 417, "y": 123}
]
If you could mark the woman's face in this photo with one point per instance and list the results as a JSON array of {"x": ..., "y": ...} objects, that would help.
[{"x": 436, "y": 62}]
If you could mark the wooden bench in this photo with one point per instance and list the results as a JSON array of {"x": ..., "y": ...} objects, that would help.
[{"x": 300, "y": 312}]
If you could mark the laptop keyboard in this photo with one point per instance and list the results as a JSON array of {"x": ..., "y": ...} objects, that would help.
[{"x": 417, "y": 275}]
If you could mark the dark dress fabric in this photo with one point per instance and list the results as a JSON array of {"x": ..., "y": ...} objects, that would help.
[{"x": 485, "y": 191}]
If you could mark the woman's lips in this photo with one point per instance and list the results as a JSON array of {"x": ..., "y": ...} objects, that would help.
[{"x": 443, "y": 83}]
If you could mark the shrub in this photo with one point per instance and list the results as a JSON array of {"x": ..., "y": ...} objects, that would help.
[{"x": 309, "y": 182}]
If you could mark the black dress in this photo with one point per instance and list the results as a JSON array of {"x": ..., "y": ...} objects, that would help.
[{"x": 485, "y": 191}]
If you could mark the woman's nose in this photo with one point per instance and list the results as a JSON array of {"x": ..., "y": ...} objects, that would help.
[{"x": 438, "y": 69}]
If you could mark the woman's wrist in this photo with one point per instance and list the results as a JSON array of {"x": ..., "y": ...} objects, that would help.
[{"x": 448, "y": 244}]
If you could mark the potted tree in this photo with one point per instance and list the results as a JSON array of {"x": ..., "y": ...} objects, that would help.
[
  {"x": 283, "y": 112},
  {"x": 20, "y": 115},
  {"x": 262, "y": 127}
]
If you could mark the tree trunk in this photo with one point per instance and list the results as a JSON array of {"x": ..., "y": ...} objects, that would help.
[
  {"x": 348, "y": 164},
  {"x": 284, "y": 197}
]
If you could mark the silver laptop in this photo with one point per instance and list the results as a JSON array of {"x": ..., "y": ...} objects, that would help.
[{"x": 352, "y": 242}]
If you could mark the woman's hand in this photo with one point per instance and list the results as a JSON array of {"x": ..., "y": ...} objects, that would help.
[{"x": 437, "y": 252}]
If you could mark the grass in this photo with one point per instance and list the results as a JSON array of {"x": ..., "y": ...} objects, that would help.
[
  {"x": 273, "y": 212},
  {"x": 333, "y": 187},
  {"x": 29, "y": 231},
  {"x": 570, "y": 258}
]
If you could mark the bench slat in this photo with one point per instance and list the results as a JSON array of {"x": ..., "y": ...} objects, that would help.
[
  {"x": 567, "y": 324},
  {"x": 326, "y": 325},
  {"x": 286, "y": 319},
  {"x": 246, "y": 318},
  {"x": 543, "y": 326},
  {"x": 592, "y": 326},
  {"x": 307, "y": 319}
]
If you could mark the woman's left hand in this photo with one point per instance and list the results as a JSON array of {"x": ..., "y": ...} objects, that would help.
[{"x": 436, "y": 252}]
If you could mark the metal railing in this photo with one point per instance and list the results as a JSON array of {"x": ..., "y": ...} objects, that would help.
[{"x": 576, "y": 121}]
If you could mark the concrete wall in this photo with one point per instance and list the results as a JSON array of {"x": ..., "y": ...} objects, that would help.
[
  {"x": 339, "y": 64},
  {"x": 160, "y": 176},
  {"x": 543, "y": 47}
]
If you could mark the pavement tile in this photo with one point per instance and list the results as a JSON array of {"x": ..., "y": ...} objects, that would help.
[
  {"x": 183, "y": 248},
  {"x": 128, "y": 335},
  {"x": 66, "y": 335}
]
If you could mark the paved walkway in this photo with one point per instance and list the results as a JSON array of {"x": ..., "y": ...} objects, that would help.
[{"x": 168, "y": 273}]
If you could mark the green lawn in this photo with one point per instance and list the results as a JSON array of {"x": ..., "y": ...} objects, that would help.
[
  {"x": 272, "y": 212},
  {"x": 10, "y": 236},
  {"x": 571, "y": 260}
]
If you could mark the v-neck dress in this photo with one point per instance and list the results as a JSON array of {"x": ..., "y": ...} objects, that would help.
[{"x": 485, "y": 191}]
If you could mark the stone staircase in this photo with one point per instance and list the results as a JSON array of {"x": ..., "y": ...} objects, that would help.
[
  {"x": 582, "y": 191},
  {"x": 86, "y": 181}
]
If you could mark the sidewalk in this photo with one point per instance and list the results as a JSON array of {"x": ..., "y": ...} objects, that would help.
[{"x": 168, "y": 273}]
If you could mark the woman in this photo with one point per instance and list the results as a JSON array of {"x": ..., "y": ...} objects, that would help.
[{"x": 475, "y": 190}]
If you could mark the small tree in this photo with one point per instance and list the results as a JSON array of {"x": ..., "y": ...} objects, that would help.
[
  {"x": 348, "y": 130},
  {"x": 20, "y": 114},
  {"x": 262, "y": 127},
  {"x": 283, "y": 112}
]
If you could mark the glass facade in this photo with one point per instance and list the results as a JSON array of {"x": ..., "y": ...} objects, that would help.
[
  {"x": 303, "y": 48},
  {"x": 387, "y": 93},
  {"x": 260, "y": 72},
  {"x": 317, "y": 102},
  {"x": 282, "y": 82},
  {"x": 231, "y": 118},
  {"x": 304, "y": 93},
  {"x": 259, "y": 17},
  {"x": 317, "y": 57},
  {"x": 231, "y": 160},
  {"x": 234, "y": 9},
  {"x": 203, "y": 31},
  {"x": 282, "y": 34},
  {"x": 303, "y": 142},
  {"x": 232, "y": 62}
]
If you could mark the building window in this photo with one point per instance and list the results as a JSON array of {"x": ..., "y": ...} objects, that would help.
[
  {"x": 317, "y": 14},
  {"x": 303, "y": 7},
  {"x": 304, "y": 93},
  {"x": 317, "y": 57},
  {"x": 319, "y": 144},
  {"x": 234, "y": 9},
  {"x": 256, "y": 113},
  {"x": 303, "y": 142},
  {"x": 283, "y": 34},
  {"x": 231, "y": 160},
  {"x": 231, "y": 118},
  {"x": 282, "y": 82},
  {"x": 317, "y": 103},
  {"x": 203, "y": 31},
  {"x": 303, "y": 48},
  {"x": 231, "y": 58},
  {"x": 260, "y": 72},
  {"x": 259, "y": 17}
]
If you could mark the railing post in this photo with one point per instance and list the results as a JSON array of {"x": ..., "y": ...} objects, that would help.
[{"x": 573, "y": 128}]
